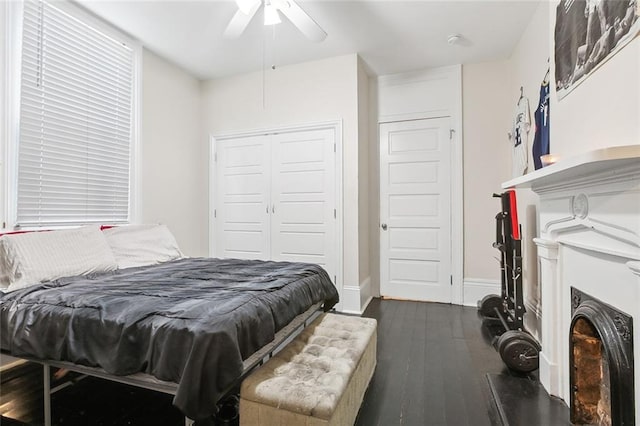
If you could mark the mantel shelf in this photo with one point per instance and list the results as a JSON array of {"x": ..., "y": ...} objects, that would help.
[{"x": 588, "y": 164}]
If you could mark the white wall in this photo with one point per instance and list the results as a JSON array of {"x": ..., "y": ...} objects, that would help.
[
  {"x": 364, "y": 214},
  {"x": 374, "y": 188},
  {"x": 604, "y": 110},
  {"x": 3, "y": 97},
  {"x": 310, "y": 92},
  {"x": 487, "y": 163},
  {"x": 527, "y": 68},
  {"x": 174, "y": 169},
  {"x": 487, "y": 158}
]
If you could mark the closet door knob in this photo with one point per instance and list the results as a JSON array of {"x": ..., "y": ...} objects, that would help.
[{"x": 384, "y": 226}]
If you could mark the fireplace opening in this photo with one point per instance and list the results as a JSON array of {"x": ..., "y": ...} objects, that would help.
[
  {"x": 601, "y": 363},
  {"x": 592, "y": 388}
]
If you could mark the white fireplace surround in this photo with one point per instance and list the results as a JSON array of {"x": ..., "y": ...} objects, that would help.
[{"x": 589, "y": 238}]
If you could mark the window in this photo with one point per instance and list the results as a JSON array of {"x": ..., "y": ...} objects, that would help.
[{"x": 76, "y": 120}]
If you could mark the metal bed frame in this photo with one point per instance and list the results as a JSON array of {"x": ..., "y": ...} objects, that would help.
[{"x": 147, "y": 381}]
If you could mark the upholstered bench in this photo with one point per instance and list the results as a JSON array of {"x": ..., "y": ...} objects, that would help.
[{"x": 318, "y": 379}]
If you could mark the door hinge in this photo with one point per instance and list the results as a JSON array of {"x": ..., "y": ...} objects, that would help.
[
  {"x": 335, "y": 279},
  {"x": 334, "y": 147},
  {"x": 451, "y": 132},
  {"x": 335, "y": 213},
  {"x": 451, "y": 279},
  {"x": 215, "y": 213},
  {"x": 215, "y": 156}
]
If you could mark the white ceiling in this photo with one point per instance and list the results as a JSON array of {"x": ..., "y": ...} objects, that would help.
[{"x": 391, "y": 36}]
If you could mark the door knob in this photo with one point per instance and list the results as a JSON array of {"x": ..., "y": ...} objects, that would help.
[{"x": 384, "y": 226}]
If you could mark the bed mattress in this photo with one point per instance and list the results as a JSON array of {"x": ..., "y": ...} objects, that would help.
[{"x": 190, "y": 321}]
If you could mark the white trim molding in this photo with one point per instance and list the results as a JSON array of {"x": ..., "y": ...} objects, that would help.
[
  {"x": 11, "y": 106},
  {"x": 533, "y": 308},
  {"x": 457, "y": 192},
  {"x": 477, "y": 288},
  {"x": 365, "y": 294},
  {"x": 410, "y": 95},
  {"x": 355, "y": 299},
  {"x": 135, "y": 174},
  {"x": 350, "y": 300},
  {"x": 551, "y": 296},
  {"x": 433, "y": 93}
]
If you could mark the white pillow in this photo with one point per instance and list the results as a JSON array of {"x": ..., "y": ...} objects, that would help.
[
  {"x": 141, "y": 245},
  {"x": 31, "y": 258}
]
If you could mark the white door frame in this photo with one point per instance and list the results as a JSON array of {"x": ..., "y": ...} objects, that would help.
[
  {"x": 336, "y": 127},
  {"x": 457, "y": 193},
  {"x": 444, "y": 292}
]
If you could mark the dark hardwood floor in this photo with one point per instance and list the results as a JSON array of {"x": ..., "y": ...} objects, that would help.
[
  {"x": 432, "y": 365},
  {"x": 432, "y": 361}
]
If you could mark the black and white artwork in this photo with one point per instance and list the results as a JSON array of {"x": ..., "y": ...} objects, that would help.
[{"x": 587, "y": 33}]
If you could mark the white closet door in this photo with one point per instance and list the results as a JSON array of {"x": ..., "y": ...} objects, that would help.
[
  {"x": 415, "y": 210},
  {"x": 303, "y": 198},
  {"x": 242, "y": 193}
]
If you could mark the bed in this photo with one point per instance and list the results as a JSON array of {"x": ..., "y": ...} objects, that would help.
[{"x": 191, "y": 327}]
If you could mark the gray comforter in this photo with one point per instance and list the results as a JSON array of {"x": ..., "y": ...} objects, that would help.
[{"x": 190, "y": 321}]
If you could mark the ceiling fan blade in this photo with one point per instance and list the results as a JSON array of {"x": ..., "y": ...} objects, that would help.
[
  {"x": 239, "y": 22},
  {"x": 246, "y": 6},
  {"x": 305, "y": 24}
]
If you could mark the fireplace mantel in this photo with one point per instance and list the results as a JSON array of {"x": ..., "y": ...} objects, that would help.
[
  {"x": 591, "y": 201},
  {"x": 594, "y": 164}
]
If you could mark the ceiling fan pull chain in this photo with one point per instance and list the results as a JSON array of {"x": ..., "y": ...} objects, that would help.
[
  {"x": 274, "y": 49},
  {"x": 264, "y": 71}
]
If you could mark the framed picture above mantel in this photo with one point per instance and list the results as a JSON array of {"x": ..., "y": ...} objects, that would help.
[{"x": 587, "y": 34}]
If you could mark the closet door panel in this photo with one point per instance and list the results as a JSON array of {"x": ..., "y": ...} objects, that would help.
[
  {"x": 303, "y": 198},
  {"x": 242, "y": 192}
]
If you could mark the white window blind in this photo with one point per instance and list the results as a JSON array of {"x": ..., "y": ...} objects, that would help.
[{"x": 75, "y": 122}]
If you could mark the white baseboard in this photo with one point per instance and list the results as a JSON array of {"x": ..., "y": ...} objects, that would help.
[
  {"x": 366, "y": 303},
  {"x": 534, "y": 308},
  {"x": 351, "y": 299},
  {"x": 356, "y": 298},
  {"x": 477, "y": 288},
  {"x": 365, "y": 294},
  {"x": 549, "y": 376}
]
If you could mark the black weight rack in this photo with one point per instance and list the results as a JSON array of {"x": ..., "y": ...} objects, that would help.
[{"x": 518, "y": 349}]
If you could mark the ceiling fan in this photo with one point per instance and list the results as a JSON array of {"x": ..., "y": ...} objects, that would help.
[{"x": 272, "y": 9}]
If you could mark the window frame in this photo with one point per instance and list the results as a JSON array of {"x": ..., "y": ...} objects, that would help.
[{"x": 10, "y": 110}]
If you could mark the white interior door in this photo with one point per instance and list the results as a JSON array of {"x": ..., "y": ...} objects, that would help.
[
  {"x": 415, "y": 210},
  {"x": 303, "y": 198},
  {"x": 242, "y": 193}
]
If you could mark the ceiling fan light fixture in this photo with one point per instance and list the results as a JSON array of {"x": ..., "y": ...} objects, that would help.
[
  {"x": 271, "y": 15},
  {"x": 247, "y": 6},
  {"x": 272, "y": 9}
]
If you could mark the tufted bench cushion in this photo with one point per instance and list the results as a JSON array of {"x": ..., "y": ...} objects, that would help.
[{"x": 318, "y": 379}]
